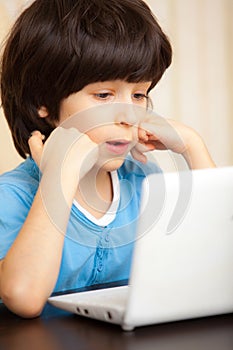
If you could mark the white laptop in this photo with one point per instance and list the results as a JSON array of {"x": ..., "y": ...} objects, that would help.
[{"x": 183, "y": 259}]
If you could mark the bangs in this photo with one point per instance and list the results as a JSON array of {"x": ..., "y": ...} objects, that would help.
[
  {"x": 132, "y": 60},
  {"x": 127, "y": 47}
]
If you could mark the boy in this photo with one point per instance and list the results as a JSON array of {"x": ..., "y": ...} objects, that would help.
[{"x": 63, "y": 58}]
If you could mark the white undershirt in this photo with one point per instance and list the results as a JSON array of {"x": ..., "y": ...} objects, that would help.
[{"x": 110, "y": 215}]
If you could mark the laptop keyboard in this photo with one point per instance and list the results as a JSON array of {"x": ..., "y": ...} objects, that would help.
[{"x": 110, "y": 296}]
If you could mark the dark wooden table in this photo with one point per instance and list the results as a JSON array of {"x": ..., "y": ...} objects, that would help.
[{"x": 58, "y": 330}]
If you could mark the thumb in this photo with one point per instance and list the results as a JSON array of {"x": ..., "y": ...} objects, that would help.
[{"x": 36, "y": 146}]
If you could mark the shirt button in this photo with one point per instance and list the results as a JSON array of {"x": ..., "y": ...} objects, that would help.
[
  {"x": 100, "y": 253},
  {"x": 100, "y": 267}
]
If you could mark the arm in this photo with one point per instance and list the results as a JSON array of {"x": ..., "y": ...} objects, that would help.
[
  {"x": 30, "y": 269},
  {"x": 196, "y": 154}
]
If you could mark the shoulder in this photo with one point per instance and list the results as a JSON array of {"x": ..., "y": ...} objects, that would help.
[
  {"x": 21, "y": 181},
  {"x": 131, "y": 167}
]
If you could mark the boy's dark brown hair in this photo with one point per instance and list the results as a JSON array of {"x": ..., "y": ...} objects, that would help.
[{"x": 57, "y": 47}]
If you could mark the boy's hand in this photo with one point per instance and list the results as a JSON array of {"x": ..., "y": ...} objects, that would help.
[
  {"x": 66, "y": 150},
  {"x": 163, "y": 134},
  {"x": 157, "y": 133}
]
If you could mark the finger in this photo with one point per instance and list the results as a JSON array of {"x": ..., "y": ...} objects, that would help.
[
  {"x": 139, "y": 150},
  {"x": 143, "y": 147},
  {"x": 147, "y": 128},
  {"x": 36, "y": 146},
  {"x": 157, "y": 145},
  {"x": 137, "y": 155},
  {"x": 155, "y": 133},
  {"x": 142, "y": 135}
]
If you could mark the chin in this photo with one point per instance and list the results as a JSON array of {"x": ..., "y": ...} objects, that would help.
[{"x": 113, "y": 164}]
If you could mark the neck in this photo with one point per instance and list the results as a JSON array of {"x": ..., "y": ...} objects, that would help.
[{"x": 95, "y": 192}]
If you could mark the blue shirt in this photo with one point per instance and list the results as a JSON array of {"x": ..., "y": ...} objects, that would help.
[{"x": 92, "y": 254}]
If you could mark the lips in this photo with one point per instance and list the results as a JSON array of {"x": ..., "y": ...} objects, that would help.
[{"x": 117, "y": 146}]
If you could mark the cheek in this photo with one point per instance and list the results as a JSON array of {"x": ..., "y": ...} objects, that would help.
[
  {"x": 99, "y": 134},
  {"x": 67, "y": 108}
]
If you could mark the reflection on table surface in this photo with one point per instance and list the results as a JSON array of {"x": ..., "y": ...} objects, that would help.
[{"x": 58, "y": 330}]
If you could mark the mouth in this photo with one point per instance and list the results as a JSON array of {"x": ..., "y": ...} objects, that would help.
[{"x": 118, "y": 146}]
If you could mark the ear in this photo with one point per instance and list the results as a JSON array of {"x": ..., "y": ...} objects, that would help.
[{"x": 43, "y": 112}]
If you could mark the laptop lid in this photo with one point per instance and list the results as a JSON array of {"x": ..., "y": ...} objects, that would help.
[{"x": 183, "y": 260}]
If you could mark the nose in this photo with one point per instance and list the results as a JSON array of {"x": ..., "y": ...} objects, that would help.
[
  {"x": 126, "y": 115},
  {"x": 125, "y": 119}
]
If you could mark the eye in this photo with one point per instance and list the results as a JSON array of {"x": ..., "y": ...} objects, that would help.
[
  {"x": 140, "y": 97},
  {"x": 102, "y": 95}
]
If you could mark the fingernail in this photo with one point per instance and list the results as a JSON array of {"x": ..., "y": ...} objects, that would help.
[{"x": 36, "y": 132}]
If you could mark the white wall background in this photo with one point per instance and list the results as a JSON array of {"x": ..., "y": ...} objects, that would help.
[{"x": 197, "y": 89}]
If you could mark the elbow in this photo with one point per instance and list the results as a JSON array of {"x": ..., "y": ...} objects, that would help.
[{"x": 24, "y": 302}]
